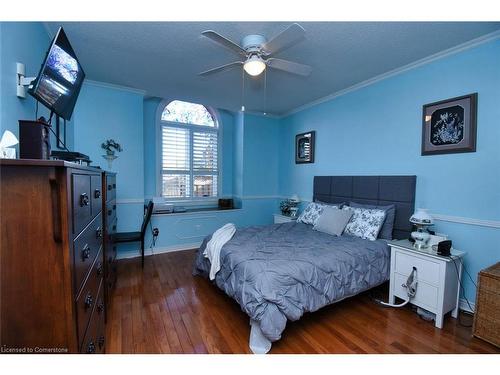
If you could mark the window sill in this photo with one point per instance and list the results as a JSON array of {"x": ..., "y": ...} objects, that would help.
[{"x": 198, "y": 210}]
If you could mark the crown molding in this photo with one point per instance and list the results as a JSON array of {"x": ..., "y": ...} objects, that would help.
[
  {"x": 426, "y": 60},
  {"x": 114, "y": 87}
]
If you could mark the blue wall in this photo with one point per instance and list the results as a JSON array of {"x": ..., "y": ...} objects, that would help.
[
  {"x": 261, "y": 146},
  {"x": 377, "y": 130},
  {"x": 105, "y": 112},
  {"x": 25, "y": 42}
]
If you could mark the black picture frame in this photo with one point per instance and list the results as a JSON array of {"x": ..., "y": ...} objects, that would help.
[
  {"x": 304, "y": 147},
  {"x": 450, "y": 126}
]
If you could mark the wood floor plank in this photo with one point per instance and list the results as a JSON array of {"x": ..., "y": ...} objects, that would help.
[{"x": 164, "y": 309}]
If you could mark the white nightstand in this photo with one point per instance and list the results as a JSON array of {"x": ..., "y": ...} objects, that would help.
[
  {"x": 438, "y": 285},
  {"x": 279, "y": 219}
]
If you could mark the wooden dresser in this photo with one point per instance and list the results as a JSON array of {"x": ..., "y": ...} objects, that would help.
[
  {"x": 52, "y": 265},
  {"x": 110, "y": 223}
]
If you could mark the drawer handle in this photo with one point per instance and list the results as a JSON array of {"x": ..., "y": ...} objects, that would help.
[
  {"x": 84, "y": 199},
  {"x": 86, "y": 253},
  {"x": 100, "y": 307},
  {"x": 91, "y": 348},
  {"x": 100, "y": 342},
  {"x": 88, "y": 301},
  {"x": 114, "y": 186},
  {"x": 97, "y": 193},
  {"x": 114, "y": 207},
  {"x": 98, "y": 233},
  {"x": 99, "y": 269},
  {"x": 110, "y": 212}
]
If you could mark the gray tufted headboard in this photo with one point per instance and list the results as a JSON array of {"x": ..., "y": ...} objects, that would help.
[{"x": 379, "y": 190}]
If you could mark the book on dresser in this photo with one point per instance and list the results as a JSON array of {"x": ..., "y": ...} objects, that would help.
[{"x": 56, "y": 256}]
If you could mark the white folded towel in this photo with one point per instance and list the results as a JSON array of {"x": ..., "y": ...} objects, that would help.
[{"x": 214, "y": 246}]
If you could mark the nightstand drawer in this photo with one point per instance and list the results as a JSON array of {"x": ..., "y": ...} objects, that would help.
[
  {"x": 427, "y": 270},
  {"x": 426, "y": 296}
]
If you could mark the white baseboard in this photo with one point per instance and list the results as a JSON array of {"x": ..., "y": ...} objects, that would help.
[
  {"x": 157, "y": 250},
  {"x": 462, "y": 304}
]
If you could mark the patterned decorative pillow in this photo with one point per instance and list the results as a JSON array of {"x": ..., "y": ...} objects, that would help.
[
  {"x": 312, "y": 212},
  {"x": 365, "y": 222}
]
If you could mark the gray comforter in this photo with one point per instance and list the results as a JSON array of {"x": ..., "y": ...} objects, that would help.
[{"x": 281, "y": 271}]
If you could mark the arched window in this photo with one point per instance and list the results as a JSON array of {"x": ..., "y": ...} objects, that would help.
[{"x": 189, "y": 151}]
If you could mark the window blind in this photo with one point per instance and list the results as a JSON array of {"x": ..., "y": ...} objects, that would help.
[{"x": 190, "y": 165}]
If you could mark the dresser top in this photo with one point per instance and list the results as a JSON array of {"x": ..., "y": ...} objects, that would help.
[
  {"x": 46, "y": 163},
  {"x": 492, "y": 271},
  {"x": 408, "y": 246}
]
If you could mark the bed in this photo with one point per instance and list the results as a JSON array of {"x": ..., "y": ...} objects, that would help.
[{"x": 278, "y": 272}]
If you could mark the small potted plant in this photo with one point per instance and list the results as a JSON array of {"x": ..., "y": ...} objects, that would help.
[{"x": 111, "y": 147}]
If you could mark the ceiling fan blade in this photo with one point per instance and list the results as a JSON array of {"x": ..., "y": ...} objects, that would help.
[
  {"x": 221, "y": 68},
  {"x": 224, "y": 42},
  {"x": 289, "y": 66},
  {"x": 285, "y": 39}
]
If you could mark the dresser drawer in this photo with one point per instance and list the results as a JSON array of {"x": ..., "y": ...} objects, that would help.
[
  {"x": 426, "y": 296},
  {"x": 110, "y": 187},
  {"x": 94, "y": 339},
  {"x": 85, "y": 249},
  {"x": 89, "y": 298},
  {"x": 427, "y": 270},
  {"x": 81, "y": 201},
  {"x": 96, "y": 194}
]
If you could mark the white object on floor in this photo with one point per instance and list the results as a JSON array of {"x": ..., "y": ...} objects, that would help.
[
  {"x": 214, "y": 246},
  {"x": 259, "y": 344}
]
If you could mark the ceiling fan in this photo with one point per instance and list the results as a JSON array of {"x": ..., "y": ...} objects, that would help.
[{"x": 258, "y": 52}]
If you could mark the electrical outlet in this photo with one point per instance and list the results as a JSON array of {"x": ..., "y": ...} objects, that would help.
[{"x": 156, "y": 232}]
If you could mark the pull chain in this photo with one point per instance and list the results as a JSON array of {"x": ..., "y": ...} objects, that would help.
[
  {"x": 265, "y": 92},
  {"x": 242, "y": 90}
]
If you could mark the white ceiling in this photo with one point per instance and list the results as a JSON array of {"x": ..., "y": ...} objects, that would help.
[{"x": 163, "y": 58}]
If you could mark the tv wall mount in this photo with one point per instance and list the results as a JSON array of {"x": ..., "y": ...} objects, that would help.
[{"x": 23, "y": 82}]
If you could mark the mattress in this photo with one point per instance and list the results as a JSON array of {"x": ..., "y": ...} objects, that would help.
[{"x": 279, "y": 272}]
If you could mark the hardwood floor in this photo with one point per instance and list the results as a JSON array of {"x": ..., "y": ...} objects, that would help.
[{"x": 164, "y": 309}]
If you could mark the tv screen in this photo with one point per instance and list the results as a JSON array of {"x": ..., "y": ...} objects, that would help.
[{"x": 60, "y": 79}]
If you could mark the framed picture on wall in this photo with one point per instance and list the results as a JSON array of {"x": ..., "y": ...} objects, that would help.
[
  {"x": 304, "y": 147},
  {"x": 449, "y": 126}
]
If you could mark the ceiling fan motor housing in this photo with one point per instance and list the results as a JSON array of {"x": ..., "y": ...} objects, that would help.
[{"x": 253, "y": 43}]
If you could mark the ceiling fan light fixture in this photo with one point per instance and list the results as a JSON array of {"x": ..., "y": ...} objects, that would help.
[{"x": 254, "y": 65}]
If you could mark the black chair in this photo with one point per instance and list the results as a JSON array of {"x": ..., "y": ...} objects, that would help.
[{"x": 136, "y": 236}]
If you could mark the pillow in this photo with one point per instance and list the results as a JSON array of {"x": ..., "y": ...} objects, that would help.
[
  {"x": 311, "y": 214},
  {"x": 365, "y": 222},
  {"x": 332, "y": 220},
  {"x": 390, "y": 215},
  {"x": 338, "y": 205}
]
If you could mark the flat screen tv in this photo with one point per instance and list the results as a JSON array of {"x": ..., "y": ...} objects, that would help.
[{"x": 58, "y": 84}]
